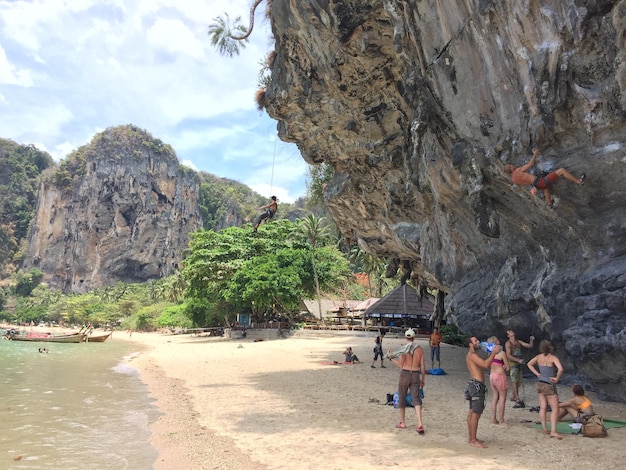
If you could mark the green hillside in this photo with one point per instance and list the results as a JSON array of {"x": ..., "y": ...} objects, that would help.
[{"x": 20, "y": 169}]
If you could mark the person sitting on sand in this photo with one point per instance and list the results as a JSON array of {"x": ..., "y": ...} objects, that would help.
[
  {"x": 350, "y": 356},
  {"x": 520, "y": 176},
  {"x": 577, "y": 406}
]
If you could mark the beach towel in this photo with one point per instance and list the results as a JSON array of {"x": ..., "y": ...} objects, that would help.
[
  {"x": 436, "y": 371},
  {"x": 564, "y": 427}
]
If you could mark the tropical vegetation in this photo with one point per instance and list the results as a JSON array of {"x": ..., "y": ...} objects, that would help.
[
  {"x": 266, "y": 274},
  {"x": 20, "y": 169}
]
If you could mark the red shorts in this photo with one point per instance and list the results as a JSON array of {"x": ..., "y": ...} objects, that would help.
[{"x": 544, "y": 182}]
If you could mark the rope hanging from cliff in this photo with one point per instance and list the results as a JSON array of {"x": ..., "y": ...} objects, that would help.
[{"x": 273, "y": 160}]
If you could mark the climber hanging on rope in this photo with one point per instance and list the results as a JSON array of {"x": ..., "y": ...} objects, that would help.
[
  {"x": 544, "y": 182},
  {"x": 270, "y": 210}
]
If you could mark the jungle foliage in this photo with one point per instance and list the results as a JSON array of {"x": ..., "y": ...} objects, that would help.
[
  {"x": 20, "y": 168},
  {"x": 266, "y": 274},
  {"x": 231, "y": 271}
]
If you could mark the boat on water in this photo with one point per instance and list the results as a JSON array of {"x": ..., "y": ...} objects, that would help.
[
  {"x": 97, "y": 338},
  {"x": 45, "y": 337}
]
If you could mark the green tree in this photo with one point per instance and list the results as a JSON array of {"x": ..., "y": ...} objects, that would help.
[
  {"x": 314, "y": 231},
  {"x": 223, "y": 38},
  {"x": 26, "y": 282},
  {"x": 174, "y": 316},
  {"x": 227, "y": 37},
  {"x": 273, "y": 268},
  {"x": 372, "y": 265}
]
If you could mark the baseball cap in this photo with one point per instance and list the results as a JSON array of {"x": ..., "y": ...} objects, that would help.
[{"x": 409, "y": 333}]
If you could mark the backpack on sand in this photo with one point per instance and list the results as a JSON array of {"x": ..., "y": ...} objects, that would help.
[{"x": 593, "y": 426}]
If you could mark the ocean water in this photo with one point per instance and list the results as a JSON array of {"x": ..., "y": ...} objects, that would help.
[{"x": 79, "y": 406}]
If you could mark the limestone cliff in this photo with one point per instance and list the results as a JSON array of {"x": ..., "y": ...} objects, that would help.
[
  {"x": 417, "y": 105},
  {"x": 118, "y": 209}
]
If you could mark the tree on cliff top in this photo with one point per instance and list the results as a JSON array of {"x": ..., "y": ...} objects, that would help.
[{"x": 227, "y": 37}]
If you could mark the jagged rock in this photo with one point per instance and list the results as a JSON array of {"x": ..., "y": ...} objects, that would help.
[
  {"x": 417, "y": 107},
  {"x": 124, "y": 216}
]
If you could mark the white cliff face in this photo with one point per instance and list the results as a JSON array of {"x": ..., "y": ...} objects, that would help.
[
  {"x": 417, "y": 105},
  {"x": 127, "y": 218}
]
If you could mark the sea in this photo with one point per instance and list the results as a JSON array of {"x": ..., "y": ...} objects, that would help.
[{"x": 73, "y": 406}]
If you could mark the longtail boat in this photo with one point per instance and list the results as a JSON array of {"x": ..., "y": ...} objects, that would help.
[
  {"x": 46, "y": 337},
  {"x": 97, "y": 338}
]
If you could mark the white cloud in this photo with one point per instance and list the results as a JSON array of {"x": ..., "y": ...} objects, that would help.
[
  {"x": 267, "y": 190},
  {"x": 11, "y": 75},
  {"x": 174, "y": 36},
  {"x": 190, "y": 164},
  {"x": 93, "y": 64}
]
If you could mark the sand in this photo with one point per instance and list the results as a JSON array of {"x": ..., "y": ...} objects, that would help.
[{"x": 240, "y": 404}]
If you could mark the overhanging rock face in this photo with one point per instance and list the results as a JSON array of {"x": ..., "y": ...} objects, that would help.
[{"x": 417, "y": 106}]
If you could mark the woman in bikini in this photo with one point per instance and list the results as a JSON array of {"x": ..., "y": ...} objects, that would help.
[
  {"x": 549, "y": 373},
  {"x": 499, "y": 383},
  {"x": 577, "y": 406}
]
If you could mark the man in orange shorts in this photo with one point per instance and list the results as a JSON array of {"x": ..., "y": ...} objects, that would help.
[{"x": 520, "y": 176}]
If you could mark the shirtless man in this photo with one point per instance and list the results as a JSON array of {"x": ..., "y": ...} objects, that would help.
[
  {"x": 410, "y": 359},
  {"x": 270, "y": 209},
  {"x": 513, "y": 349},
  {"x": 520, "y": 176},
  {"x": 475, "y": 390}
]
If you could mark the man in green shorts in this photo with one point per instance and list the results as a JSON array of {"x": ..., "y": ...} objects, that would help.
[{"x": 513, "y": 349}]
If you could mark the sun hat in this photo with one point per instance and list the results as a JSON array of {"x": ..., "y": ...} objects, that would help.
[{"x": 409, "y": 333}]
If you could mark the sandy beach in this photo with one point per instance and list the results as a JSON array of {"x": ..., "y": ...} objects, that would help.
[{"x": 278, "y": 404}]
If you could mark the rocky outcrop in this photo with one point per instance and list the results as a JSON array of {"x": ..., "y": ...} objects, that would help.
[
  {"x": 119, "y": 209},
  {"x": 417, "y": 105}
]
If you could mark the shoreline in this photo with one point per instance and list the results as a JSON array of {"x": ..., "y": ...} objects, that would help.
[{"x": 274, "y": 404}]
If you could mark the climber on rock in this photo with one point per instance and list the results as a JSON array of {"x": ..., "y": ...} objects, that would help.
[
  {"x": 520, "y": 176},
  {"x": 270, "y": 210}
]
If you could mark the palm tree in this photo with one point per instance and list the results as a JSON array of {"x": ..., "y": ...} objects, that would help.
[
  {"x": 371, "y": 265},
  {"x": 224, "y": 35},
  {"x": 314, "y": 232}
]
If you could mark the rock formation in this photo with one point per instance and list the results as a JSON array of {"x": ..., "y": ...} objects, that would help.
[
  {"x": 417, "y": 106},
  {"x": 118, "y": 209}
]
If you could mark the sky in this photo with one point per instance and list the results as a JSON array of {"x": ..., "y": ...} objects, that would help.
[{"x": 72, "y": 68}]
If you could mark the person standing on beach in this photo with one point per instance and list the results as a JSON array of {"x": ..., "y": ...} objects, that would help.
[
  {"x": 475, "y": 389},
  {"x": 548, "y": 375},
  {"x": 410, "y": 359},
  {"x": 378, "y": 350},
  {"x": 499, "y": 383},
  {"x": 434, "y": 341},
  {"x": 513, "y": 348}
]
